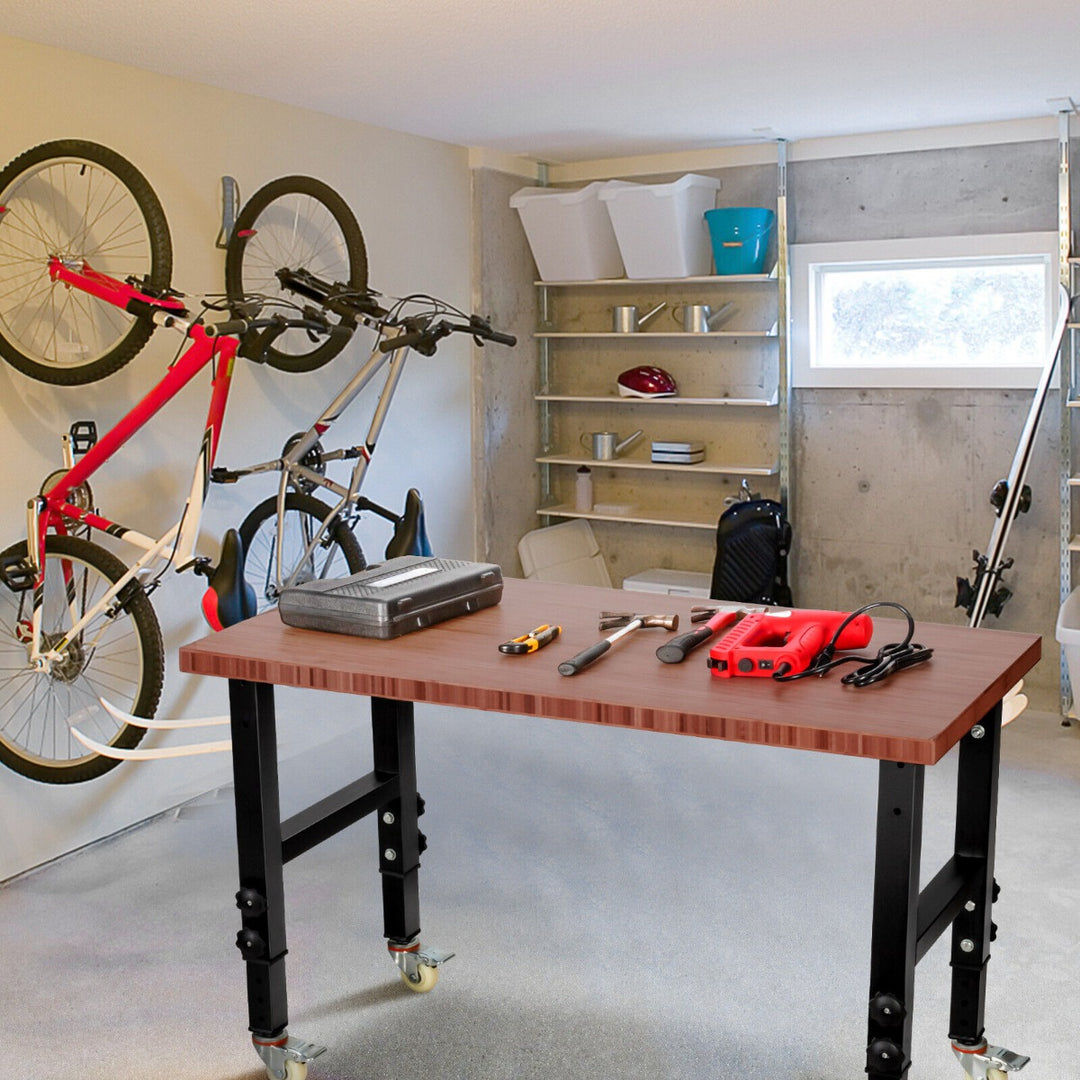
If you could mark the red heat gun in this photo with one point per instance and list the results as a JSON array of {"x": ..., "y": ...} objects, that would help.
[{"x": 784, "y": 641}]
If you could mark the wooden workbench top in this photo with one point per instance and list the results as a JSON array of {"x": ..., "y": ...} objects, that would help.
[{"x": 914, "y": 716}]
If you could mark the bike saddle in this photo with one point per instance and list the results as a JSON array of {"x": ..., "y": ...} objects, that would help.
[
  {"x": 229, "y": 599},
  {"x": 410, "y": 535}
]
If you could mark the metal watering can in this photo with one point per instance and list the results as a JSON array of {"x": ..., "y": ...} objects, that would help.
[
  {"x": 605, "y": 445},
  {"x": 625, "y": 318},
  {"x": 700, "y": 318}
]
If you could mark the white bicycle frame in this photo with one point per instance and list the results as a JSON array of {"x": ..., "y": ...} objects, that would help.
[{"x": 294, "y": 472}]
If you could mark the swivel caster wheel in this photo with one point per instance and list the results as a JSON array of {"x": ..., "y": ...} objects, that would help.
[
  {"x": 418, "y": 965},
  {"x": 286, "y": 1058},
  {"x": 981, "y": 1062},
  {"x": 422, "y": 980}
]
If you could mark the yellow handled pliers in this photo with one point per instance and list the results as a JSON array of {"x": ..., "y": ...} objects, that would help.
[{"x": 530, "y": 642}]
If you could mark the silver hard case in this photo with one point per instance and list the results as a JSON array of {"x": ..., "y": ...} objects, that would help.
[{"x": 393, "y": 598}]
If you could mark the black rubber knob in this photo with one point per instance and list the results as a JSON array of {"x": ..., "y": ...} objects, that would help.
[
  {"x": 251, "y": 901},
  {"x": 251, "y": 944},
  {"x": 887, "y": 1010},
  {"x": 884, "y": 1056}
]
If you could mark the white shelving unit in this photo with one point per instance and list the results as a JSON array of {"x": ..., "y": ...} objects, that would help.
[{"x": 734, "y": 392}]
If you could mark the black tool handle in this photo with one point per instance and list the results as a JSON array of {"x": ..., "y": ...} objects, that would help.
[
  {"x": 677, "y": 649},
  {"x": 584, "y": 658}
]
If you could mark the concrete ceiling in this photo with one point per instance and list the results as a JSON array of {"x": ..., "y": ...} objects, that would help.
[{"x": 574, "y": 80}]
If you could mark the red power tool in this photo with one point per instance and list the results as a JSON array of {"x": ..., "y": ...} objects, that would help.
[{"x": 784, "y": 642}]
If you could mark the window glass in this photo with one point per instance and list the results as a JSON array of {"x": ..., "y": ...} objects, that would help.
[{"x": 952, "y": 311}]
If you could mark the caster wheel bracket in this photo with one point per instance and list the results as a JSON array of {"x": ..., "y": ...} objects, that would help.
[
  {"x": 979, "y": 1061},
  {"x": 411, "y": 954},
  {"x": 276, "y": 1053}
]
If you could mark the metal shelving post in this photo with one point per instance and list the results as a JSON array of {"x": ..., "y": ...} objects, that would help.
[
  {"x": 783, "y": 327},
  {"x": 1066, "y": 361}
]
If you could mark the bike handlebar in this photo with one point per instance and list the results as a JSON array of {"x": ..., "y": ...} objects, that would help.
[
  {"x": 425, "y": 339},
  {"x": 224, "y": 329}
]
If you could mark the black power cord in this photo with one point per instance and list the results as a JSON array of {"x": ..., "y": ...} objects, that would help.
[{"x": 890, "y": 658}]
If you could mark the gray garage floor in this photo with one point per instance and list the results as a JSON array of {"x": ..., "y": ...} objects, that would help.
[{"x": 622, "y": 904}]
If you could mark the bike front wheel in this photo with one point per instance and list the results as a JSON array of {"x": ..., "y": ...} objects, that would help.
[
  {"x": 295, "y": 223},
  {"x": 118, "y": 656},
  {"x": 81, "y": 203},
  {"x": 337, "y": 554}
]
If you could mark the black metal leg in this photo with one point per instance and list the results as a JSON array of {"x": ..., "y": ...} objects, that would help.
[
  {"x": 976, "y": 824},
  {"x": 261, "y": 898},
  {"x": 400, "y": 839},
  {"x": 895, "y": 926}
]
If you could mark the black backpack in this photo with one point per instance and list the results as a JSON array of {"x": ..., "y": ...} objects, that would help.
[{"x": 752, "y": 543}]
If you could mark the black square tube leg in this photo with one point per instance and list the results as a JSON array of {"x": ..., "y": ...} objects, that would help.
[
  {"x": 400, "y": 840},
  {"x": 976, "y": 824},
  {"x": 895, "y": 918},
  {"x": 261, "y": 897}
]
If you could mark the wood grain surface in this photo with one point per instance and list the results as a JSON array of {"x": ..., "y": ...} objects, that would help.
[{"x": 914, "y": 716}]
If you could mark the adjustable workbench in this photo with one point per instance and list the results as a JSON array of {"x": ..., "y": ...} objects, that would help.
[{"x": 907, "y": 722}]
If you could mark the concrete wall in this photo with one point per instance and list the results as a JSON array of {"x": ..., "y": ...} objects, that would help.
[
  {"x": 411, "y": 197},
  {"x": 890, "y": 486}
]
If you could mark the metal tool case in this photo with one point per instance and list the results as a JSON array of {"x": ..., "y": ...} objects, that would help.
[{"x": 393, "y": 598}]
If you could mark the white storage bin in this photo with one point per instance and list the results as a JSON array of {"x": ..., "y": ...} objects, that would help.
[
  {"x": 661, "y": 228},
  {"x": 1067, "y": 633},
  {"x": 671, "y": 583},
  {"x": 570, "y": 232}
]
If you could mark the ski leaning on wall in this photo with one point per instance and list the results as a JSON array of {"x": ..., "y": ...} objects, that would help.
[{"x": 987, "y": 595}]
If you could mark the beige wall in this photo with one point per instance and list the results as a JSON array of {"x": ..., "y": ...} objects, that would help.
[{"x": 411, "y": 197}]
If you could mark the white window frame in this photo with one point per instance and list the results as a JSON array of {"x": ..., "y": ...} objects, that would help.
[{"x": 807, "y": 258}]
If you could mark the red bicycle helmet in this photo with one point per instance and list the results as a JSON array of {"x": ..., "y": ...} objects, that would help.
[{"x": 646, "y": 381}]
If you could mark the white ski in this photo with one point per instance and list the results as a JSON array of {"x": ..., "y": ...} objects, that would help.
[{"x": 987, "y": 595}]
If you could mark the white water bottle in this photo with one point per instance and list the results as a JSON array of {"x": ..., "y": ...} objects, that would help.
[{"x": 583, "y": 490}]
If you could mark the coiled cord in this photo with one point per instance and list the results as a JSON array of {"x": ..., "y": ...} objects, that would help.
[{"x": 889, "y": 659}]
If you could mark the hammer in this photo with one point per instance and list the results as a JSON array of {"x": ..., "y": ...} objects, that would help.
[{"x": 626, "y": 623}]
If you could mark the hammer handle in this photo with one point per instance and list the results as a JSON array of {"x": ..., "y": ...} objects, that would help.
[
  {"x": 584, "y": 658},
  {"x": 676, "y": 650}
]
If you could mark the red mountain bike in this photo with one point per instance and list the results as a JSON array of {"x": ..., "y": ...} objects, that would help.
[{"x": 85, "y": 261}]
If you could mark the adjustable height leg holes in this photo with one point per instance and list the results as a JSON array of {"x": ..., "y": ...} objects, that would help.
[{"x": 893, "y": 950}]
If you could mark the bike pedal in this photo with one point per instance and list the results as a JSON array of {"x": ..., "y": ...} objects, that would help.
[
  {"x": 83, "y": 434},
  {"x": 17, "y": 573}
]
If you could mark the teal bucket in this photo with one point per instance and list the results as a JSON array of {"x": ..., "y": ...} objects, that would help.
[{"x": 740, "y": 238}]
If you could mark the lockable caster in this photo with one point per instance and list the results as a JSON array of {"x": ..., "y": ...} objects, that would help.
[
  {"x": 286, "y": 1058},
  {"x": 418, "y": 964},
  {"x": 983, "y": 1062}
]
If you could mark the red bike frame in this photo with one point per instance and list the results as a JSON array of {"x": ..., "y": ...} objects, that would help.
[{"x": 52, "y": 511}]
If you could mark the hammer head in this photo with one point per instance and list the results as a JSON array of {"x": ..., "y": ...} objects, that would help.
[{"x": 612, "y": 620}]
